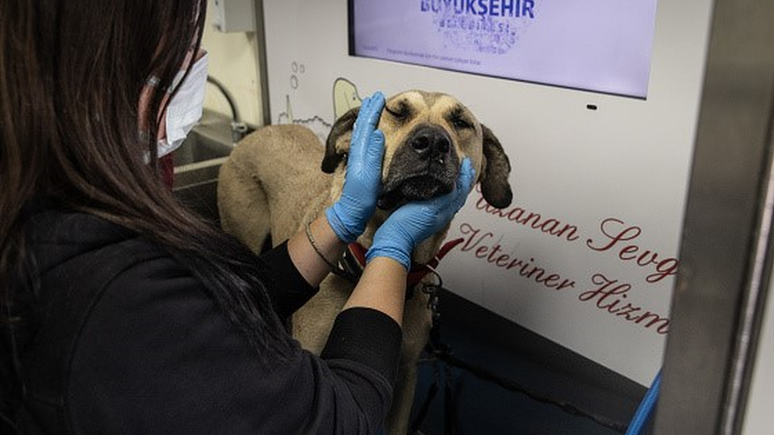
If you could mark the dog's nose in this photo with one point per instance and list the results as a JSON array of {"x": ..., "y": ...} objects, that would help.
[{"x": 429, "y": 142}]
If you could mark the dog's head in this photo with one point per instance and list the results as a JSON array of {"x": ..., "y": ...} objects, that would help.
[{"x": 427, "y": 135}]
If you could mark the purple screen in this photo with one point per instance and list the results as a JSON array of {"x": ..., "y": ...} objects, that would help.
[{"x": 595, "y": 45}]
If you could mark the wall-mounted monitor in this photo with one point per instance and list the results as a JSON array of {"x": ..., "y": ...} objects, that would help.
[{"x": 594, "y": 45}]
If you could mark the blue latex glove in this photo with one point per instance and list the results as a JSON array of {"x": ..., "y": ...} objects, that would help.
[
  {"x": 363, "y": 182},
  {"x": 416, "y": 221}
]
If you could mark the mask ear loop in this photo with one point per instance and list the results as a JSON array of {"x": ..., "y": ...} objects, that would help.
[
  {"x": 181, "y": 75},
  {"x": 150, "y": 154},
  {"x": 154, "y": 81}
]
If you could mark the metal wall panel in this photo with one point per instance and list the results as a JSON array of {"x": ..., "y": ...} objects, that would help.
[{"x": 725, "y": 258}]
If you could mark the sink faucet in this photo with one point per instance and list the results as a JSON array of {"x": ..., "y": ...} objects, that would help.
[{"x": 238, "y": 128}]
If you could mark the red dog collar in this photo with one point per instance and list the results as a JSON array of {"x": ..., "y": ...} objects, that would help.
[{"x": 354, "y": 261}]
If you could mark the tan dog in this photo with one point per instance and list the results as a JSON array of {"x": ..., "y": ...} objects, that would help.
[{"x": 271, "y": 184}]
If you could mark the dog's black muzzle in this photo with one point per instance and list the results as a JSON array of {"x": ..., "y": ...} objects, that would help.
[{"x": 425, "y": 166}]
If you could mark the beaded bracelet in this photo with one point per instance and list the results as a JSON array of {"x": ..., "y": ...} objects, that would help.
[{"x": 335, "y": 268}]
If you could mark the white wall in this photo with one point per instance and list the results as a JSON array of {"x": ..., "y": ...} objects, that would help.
[{"x": 233, "y": 61}]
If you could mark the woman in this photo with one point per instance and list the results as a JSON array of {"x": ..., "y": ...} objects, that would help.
[{"x": 124, "y": 313}]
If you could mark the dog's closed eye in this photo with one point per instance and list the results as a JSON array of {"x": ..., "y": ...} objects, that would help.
[
  {"x": 458, "y": 119},
  {"x": 400, "y": 111}
]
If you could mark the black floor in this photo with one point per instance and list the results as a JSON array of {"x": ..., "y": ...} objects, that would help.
[{"x": 503, "y": 379}]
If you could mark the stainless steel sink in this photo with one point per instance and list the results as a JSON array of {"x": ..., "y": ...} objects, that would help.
[
  {"x": 200, "y": 147},
  {"x": 198, "y": 161}
]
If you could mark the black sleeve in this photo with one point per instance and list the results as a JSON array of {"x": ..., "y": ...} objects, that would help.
[
  {"x": 353, "y": 338},
  {"x": 348, "y": 338},
  {"x": 292, "y": 291},
  {"x": 156, "y": 355}
]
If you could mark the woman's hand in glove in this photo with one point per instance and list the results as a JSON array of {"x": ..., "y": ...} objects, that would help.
[
  {"x": 416, "y": 221},
  {"x": 363, "y": 181}
]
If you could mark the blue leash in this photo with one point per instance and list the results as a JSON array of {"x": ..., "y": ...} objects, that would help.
[{"x": 646, "y": 408}]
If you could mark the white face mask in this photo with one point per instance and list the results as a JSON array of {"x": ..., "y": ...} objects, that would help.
[{"x": 185, "y": 108}]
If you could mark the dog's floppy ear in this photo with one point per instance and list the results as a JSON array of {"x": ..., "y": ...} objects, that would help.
[
  {"x": 342, "y": 126},
  {"x": 495, "y": 172}
]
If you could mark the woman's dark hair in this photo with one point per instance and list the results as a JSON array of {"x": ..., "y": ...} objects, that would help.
[{"x": 71, "y": 76}]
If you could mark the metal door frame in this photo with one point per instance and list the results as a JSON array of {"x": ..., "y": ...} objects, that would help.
[{"x": 726, "y": 239}]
